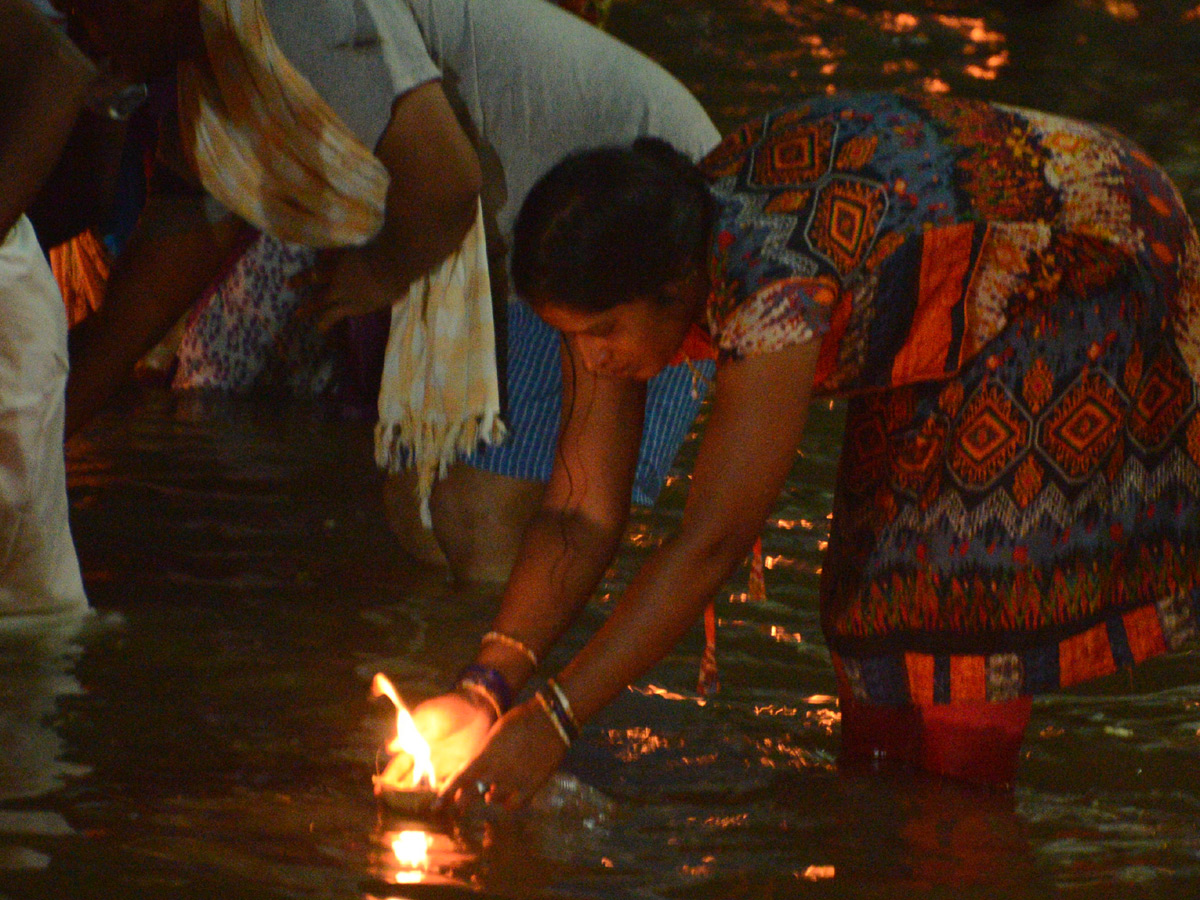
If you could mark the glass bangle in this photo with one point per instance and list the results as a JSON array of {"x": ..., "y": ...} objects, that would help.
[
  {"x": 488, "y": 679},
  {"x": 507, "y": 640},
  {"x": 548, "y": 708}
]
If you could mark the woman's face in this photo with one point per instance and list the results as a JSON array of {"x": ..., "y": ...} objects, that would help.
[{"x": 635, "y": 339}]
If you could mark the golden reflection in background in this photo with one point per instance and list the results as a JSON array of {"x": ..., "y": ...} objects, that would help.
[
  {"x": 821, "y": 714},
  {"x": 643, "y": 536},
  {"x": 652, "y": 690},
  {"x": 983, "y": 47},
  {"x": 1121, "y": 10}
]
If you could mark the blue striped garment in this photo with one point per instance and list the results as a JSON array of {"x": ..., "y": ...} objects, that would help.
[{"x": 535, "y": 400}]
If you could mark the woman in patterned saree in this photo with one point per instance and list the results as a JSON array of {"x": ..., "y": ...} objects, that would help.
[{"x": 1010, "y": 301}]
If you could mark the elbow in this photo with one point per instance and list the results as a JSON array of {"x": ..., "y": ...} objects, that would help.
[
  {"x": 603, "y": 531},
  {"x": 461, "y": 215},
  {"x": 716, "y": 549},
  {"x": 452, "y": 207},
  {"x": 611, "y": 529},
  {"x": 585, "y": 532}
]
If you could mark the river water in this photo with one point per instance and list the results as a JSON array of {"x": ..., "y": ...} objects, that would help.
[{"x": 213, "y": 735}]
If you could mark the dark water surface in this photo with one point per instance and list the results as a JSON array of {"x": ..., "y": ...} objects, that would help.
[{"x": 214, "y": 736}]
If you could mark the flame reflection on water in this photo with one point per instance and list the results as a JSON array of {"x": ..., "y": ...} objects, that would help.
[
  {"x": 411, "y": 849},
  {"x": 819, "y": 873},
  {"x": 411, "y": 854}
]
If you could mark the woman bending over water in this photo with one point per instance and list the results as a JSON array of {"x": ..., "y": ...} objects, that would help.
[{"x": 1011, "y": 302}]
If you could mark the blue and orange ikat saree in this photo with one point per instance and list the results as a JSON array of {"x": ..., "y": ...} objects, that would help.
[{"x": 1011, "y": 302}]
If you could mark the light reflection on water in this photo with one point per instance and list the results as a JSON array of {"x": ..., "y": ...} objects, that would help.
[
  {"x": 219, "y": 741},
  {"x": 1124, "y": 63}
]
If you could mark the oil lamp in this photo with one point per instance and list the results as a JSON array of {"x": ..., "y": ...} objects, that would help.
[{"x": 408, "y": 783}]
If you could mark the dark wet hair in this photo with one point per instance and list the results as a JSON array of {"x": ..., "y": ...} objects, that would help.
[{"x": 610, "y": 224}]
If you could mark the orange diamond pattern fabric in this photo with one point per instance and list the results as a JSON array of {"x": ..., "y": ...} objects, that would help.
[{"x": 1009, "y": 301}]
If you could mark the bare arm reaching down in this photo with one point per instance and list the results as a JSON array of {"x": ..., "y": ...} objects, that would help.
[
  {"x": 431, "y": 203},
  {"x": 748, "y": 449}
]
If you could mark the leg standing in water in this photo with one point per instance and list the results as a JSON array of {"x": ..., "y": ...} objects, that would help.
[{"x": 45, "y": 83}]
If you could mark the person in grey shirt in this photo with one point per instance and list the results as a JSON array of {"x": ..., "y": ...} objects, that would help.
[{"x": 461, "y": 99}]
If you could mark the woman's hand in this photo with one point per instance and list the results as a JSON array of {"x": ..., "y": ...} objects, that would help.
[
  {"x": 455, "y": 725},
  {"x": 522, "y": 751},
  {"x": 342, "y": 284}
]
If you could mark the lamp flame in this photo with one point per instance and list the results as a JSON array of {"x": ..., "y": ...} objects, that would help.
[{"x": 408, "y": 740}]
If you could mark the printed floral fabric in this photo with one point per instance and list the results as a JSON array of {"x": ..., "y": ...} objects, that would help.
[
  {"x": 244, "y": 336},
  {"x": 1012, "y": 302}
]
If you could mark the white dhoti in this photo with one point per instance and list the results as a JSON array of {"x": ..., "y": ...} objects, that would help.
[{"x": 39, "y": 571}]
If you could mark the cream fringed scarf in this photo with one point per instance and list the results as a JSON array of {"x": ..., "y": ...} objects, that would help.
[
  {"x": 421, "y": 403},
  {"x": 269, "y": 148}
]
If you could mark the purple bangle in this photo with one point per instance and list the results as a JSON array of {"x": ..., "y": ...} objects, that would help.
[{"x": 489, "y": 680}]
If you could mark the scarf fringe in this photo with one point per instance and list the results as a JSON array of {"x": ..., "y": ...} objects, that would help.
[{"x": 431, "y": 448}]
